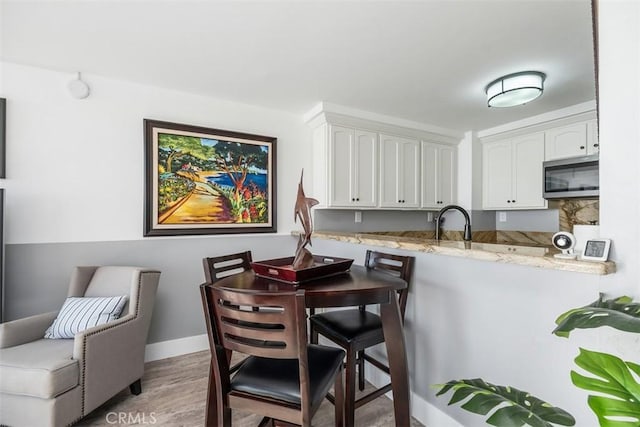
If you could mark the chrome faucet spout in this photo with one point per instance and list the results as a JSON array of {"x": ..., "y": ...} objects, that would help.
[{"x": 467, "y": 221}]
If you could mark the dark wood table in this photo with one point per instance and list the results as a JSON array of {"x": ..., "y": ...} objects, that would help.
[{"x": 355, "y": 287}]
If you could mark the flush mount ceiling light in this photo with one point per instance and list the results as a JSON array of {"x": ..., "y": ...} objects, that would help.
[{"x": 515, "y": 89}]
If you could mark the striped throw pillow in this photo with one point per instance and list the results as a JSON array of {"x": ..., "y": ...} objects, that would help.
[{"x": 80, "y": 313}]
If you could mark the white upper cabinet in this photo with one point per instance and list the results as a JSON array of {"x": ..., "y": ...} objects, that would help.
[
  {"x": 359, "y": 163},
  {"x": 439, "y": 168},
  {"x": 497, "y": 175},
  {"x": 352, "y": 167},
  {"x": 528, "y": 155},
  {"x": 399, "y": 172},
  {"x": 512, "y": 173},
  {"x": 578, "y": 139}
]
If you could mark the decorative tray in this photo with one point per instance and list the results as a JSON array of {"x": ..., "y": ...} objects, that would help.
[{"x": 280, "y": 268}]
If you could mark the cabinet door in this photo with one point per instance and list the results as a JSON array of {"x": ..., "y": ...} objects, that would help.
[
  {"x": 528, "y": 155},
  {"x": 410, "y": 173},
  {"x": 390, "y": 166},
  {"x": 438, "y": 175},
  {"x": 366, "y": 164},
  {"x": 399, "y": 172},
  {"x": 430, "y": 181},
  {"x": 593, "y": 144},
  {"x": 341, "y": 166},
  {"x": 496, "y": 175},
  {"x": 447, "y": 176},
  {"x": 566, "y": 141}
]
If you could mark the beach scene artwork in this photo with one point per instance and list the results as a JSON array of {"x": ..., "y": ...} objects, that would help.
[{"x": 211, "y": 181}]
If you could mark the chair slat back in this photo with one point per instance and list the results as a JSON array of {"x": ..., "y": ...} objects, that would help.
[
  {"x": 272, "y": 331},
  {"x": 398, "y": 265},
  {"x": 216, "y": 268}
]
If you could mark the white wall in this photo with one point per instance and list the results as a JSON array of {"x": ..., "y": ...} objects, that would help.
[
  {"x": 470, "y": 318},
  {"x": 75, "y": 167},
  {"x": 619, "y": 50}
]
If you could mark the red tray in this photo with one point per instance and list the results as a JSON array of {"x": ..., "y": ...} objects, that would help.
[{"x": 280, "y": 268}]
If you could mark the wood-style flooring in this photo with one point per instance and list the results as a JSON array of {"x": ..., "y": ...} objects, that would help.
[{"x": 174, "y": 392}]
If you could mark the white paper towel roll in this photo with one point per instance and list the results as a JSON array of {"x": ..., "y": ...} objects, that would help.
[{"x": 584, "y": 233}]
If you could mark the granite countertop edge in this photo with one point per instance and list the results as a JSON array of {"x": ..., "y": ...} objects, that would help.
[{"x": 501, "y": 253}]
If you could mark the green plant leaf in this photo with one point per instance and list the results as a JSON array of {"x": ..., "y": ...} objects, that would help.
[
  {"x": 619, "y": 313},
  {"x": 515, "y": 408},
  {"x": 619, "y": 392}
]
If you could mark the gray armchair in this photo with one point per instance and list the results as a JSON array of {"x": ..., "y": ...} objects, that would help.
[{"x": 55, "y": 382}]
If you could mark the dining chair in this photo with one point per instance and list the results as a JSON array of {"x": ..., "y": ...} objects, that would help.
[
  {"x": 357, "y": 329},
  {"x": 216, "y": 268},
  {"x": 219, "y": 267},
  {"x": 283, "y": 378}
]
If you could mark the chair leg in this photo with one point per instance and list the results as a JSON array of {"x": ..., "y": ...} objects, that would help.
[
  {"x": 136, "y": 387},
  {"x": 338, "y": 390},
  {"x": 313, "y": 334},
  {"x": 217, "y": 414},
  {"x": 350, "y": 390},
  {"x": 361, "y": 370}
]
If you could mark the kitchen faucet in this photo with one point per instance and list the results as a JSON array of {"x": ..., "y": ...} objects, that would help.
[{"x": 467, "y": 222}]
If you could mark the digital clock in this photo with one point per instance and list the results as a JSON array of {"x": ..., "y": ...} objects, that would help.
[{"x": 596, "y": 250}]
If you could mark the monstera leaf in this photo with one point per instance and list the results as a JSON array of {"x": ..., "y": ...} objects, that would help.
[
  {"x": 620, "y": 313},
  {"x": 515, "y": 408},
  {"x": 618, "y": 401}
]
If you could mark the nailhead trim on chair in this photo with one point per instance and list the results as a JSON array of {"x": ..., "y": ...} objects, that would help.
[{"x": 84, "y": 345}]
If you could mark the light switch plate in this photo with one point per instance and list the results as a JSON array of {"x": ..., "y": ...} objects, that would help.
[
  {"x": 502, "y": 216},
  {"x": 358, "y": 216}
]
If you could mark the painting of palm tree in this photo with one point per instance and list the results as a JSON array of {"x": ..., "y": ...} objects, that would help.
[{"x": 204, "y": 181}]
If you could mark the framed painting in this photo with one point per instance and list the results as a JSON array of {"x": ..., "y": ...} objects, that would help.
[{"x": 208, "y": 181}]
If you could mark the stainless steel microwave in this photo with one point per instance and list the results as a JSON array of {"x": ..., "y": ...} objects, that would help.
[{"x": 575, "y": 177}]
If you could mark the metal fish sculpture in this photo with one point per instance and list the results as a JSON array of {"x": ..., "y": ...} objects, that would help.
[{"x": 303, "y": 258}]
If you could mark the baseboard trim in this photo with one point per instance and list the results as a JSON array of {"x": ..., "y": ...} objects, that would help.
[{"x": 177, "y": 347}]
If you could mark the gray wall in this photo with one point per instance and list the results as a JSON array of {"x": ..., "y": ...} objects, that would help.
[
  {"x": 387, "y": 220},
  {"x": 534, "y": 220},
  {"x": 372, "y": 220},
  {"x": 38, "y": 274}
]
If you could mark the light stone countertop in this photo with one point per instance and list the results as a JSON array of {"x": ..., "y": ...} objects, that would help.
[{"x": 541, "y": 257}]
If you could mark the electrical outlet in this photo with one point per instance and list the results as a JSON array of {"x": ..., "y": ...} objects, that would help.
[
  {"x": 358, "y": 216},
  {"x": 429, "y": 216},
  {"x": 502, "y": 216}
]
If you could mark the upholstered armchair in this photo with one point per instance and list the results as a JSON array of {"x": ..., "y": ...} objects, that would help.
[{"x": 55, "y": 382}]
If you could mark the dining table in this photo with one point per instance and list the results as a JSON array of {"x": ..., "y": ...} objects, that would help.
[{"x": 357, "y": 286}]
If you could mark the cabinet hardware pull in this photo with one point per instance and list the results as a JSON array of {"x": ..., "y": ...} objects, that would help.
[
  {"x": 508, "y": 201},
  {"x": 596, "y": 145},
  {"x": 357, "y": 199},
  {"x": 582, "y": 147}
]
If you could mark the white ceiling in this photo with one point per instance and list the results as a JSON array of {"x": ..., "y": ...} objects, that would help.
[{"x": 426, "y": 61}]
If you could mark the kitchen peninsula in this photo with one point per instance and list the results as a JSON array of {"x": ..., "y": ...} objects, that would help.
[{"x": 533, "y": 256}]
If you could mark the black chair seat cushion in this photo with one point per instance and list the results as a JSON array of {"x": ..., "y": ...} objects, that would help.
[
  {"x": 349, "y": 327},
  {"x": 280, "y": 378}
]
